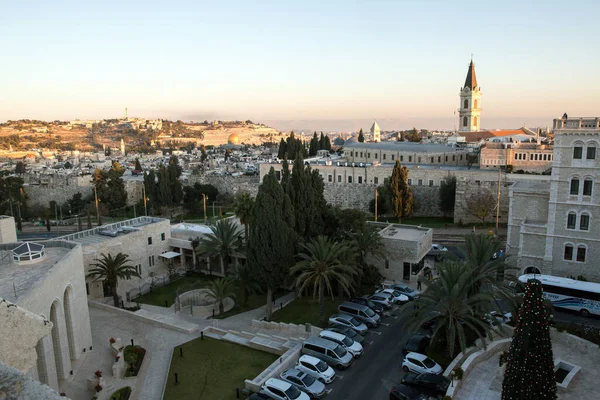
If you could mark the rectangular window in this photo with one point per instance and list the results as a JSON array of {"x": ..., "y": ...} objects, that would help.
[
  {"x": 571, "y": 221},
  {"x": 409, "y": 158},
  {"x": 574, "y": 186},
  {"x": 420, "y": 182},
  {"x": 568, "y": 252},
  {"x": 384, "y": 156},
  {"x": 419, "y": 160},
  {"x": 393, "y": 157},
  {"x": 376, "y": 180},
  {"x": 149, "y": 261},
  {"x": 516, "y": 154},
  {"x": 431, "y": 183},
  {"x": 401, "y": 158},
  {"x": 376, "y": 156},
  {"x": 587, "y": 187},
  {"x": 152, "y": 260},
  {"x": 584, "y": 222},
  {"x": 581, "y": 254},
  {"x": 591, "y": 153},
  {"x": 150, "y": 240},
  {"x": 461, "y": 157},
  {"x": 339, "y": 178},
  {"x": 361, "y": 153},
  {"x": 577, "y": 152},
  {"x": 535, "y": 157},
  {"x": 530, "y": 157},
  {"x": 431, "y": 160},
  {"x": 351, "y": 154},
  {"x": 368, "y": 155},
  {"x": 439, "y": 159},
  {"x": 349, "y": 179},
  {"x": 329, "y": 178},
  {"x": 409, "y": 181},
  {"x": 453, "y": 158},
  {"x": 360, "y": 179},
  {"x": 162, "y": 237},
  {"x": 446, "y": 158}
]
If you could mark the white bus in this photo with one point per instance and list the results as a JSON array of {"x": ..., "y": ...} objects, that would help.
[{"x": 583, "y": 297}]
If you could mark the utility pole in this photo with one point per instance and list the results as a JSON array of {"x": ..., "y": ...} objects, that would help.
[
  {"x": 204, "y": 200},
  {"x": 97, "y": 210},
  {"x": 56, "y": 214},
  {"x": 375, "y": 204},
  {"x": 498, "y": 201}
]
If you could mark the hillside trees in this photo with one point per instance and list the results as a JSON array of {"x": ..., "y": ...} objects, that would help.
[
  {"x": 291, "y": 147},
  {"x": 110, "y": 187}
]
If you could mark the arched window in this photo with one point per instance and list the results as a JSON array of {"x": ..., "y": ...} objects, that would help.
[
  {"x": 587, "y": 187},
  {"x": 466, "y": 104},
  {"x": 571, "y": 220},
  {"x": 574, "y": 186},
  {"x": 584, "y": 222},
  {"x": 465, "y": 121},
  {"x": 568, "y": 252},
  {"x": 475, "y": 121}
]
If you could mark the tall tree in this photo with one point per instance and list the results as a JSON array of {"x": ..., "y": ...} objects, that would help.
[
  {"x": 20, "y": 168},
  {"x": 305, "y": 191},
  {"x": 112, "y": 269},
  {"x": 243, "y": 206},
  {"x": 481, "y": 204},
  {"x": 282, "y": 153},
  {"x": 138, "y": 166},
  {"x": 271, "y": 240},
  {"x": 361, "y": 136},
  {"x": 110, "y": 186},
  {"x": 246, "y": 282},
  {"x": 322, "y": 142},
  {"x": 529, "y": 371},
  {"x": 223, "y": 242},
  {"x": 323, "y": 263},
  {"x": 448, "y": 195},
  {"x": 401, "y": 194},
  {"x": 314, "y": 145}
]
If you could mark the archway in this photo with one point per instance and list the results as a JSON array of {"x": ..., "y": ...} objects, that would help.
[
  {"x": 532, "y": 270},
  {"x": 59, "y": 340},
  {"x": 69, "y": 321},
  {"x": 42, "y": 369}
]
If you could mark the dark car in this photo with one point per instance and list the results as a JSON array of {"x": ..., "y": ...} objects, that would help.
[
  {"x": 344, "y": 330},
  {"x": 416, "y": 344},
  {"x": 429, "y": 384},
  {"x": 403, "y": 392},
  {"x": 366, "y": 302},
  {"x": 259, "y": 396}
]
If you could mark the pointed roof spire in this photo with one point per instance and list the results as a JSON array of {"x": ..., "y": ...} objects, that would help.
[{"x": 471, "y": 81}]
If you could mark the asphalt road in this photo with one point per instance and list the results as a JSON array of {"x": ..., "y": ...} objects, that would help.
[{"x": 378, "y": 369}]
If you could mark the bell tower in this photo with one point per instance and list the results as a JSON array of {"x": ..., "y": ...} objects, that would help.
[{"x": 469, "y": 119}]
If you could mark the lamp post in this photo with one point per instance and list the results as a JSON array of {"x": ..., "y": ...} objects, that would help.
[
  {"x": 376, "y": 193},
  {"x": 204, "y": 200}
]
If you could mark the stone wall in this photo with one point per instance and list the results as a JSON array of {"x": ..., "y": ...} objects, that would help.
[
  {"x": 467, "y": 188},
  {"x": 43, "y": 194},
  {"x": 228, "y": 186}
]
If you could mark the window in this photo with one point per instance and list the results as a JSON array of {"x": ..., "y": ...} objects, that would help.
[
  {"x": 530, "y": 157},
  {"x": 149, "y": 261},
  {"x": 453, "y": 158},
  {"x": 162, "y": 237},
  {"x": 571, "y": 220},
  {"x": 339, "y": 178},
  {"x": 360, "y": 179},
  {"x": 535, "y": 157},
  {"x": 577, "y": 152},
  {"x": 150, "y": 240},
  {"x": 420, "y": 182},
  {"x": 516, "y": 155},
  {"x": 581, "y": 253},
  {"x": 475, "y": 121},
  {"x": 430, "y": 182},
  {"x": 591, "y": 153},
  {"x": 368, "y": 155},
  {"x": 584, "y": 222},
  {"x": 349, "y": 179},
  {"x": 401, "y": 158},
  {"x": 461, "y": 157},
  {"x": 446, "y": 158},
  {"x": 376, "y": 180},
  {"x": 587, "y": 187},
  {"x": 465, "y": 120},
  {"x": 392, "y": 157},
  {"x": 465, "y": 104},
  {"x": 409, "y": 181},
  {"x": 409, "y": 158},
  {"x": 329, "y": 178},
  {"x": 361, "y": 153},
  {"x": 568, "y": 252},
  {"x": 351, "y": 154},
  {"x": 384, "y": 156},
  {"x": 419, "y": 160},
  {"x": 574, "y": 186},
  {"x": 431, "y": 160},
  {"x": 376, "y": 156}
]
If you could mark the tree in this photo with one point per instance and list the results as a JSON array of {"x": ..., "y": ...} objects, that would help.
[
  {"x": 481, "y": 204},
  {"x": 138, "y": 166},
  {"x": 324, "y": 262},
  {"x": 110, "y": 186},
  {"x": 243, "y": 206},
  {"x": 383, "y": 201},
  {"x": 529, "y": 371},
  {"x": 271, "y": 240},
  {"x": 314, "y": 145},
  {"x": 20, "y": 168},
  {"x": 367, "y": 242},
  {"x": 112, "y": 269},
  {"x": 193, "y": 199},
  {"x": 448, "y": 195},
  {"x": 68, "y": 165},
  {"x": 219, "y": 290},
  {"x": 223, "y": 241},
  {"x": 246, "y": 282},
  {"x": 401, "y": 194},
  {"x": 361, "y": 136},
  {"x": 282, "y": 152}
]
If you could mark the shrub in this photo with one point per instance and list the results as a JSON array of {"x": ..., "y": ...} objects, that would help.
[
  {"x": 98, "y": 374},
  {"x": 134, "y": 355},
  {"x": 458, "y": 373},
  {"x": 98, "y": 387},
  {"x": 112, "y": 340},
  {"x": 121, "y": 394}
]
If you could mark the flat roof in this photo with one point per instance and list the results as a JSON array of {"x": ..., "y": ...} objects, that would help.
[
  {"x": 403, "y": 232},
  {"x": 404, "y": 146},
  {"x": 110, "y": 231}
]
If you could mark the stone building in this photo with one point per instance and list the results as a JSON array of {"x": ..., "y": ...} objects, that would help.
[
  {"x": 553, "y": 228},
  {"x": 143, "y": 239},
  {"x": 469, "y": 112},
  {"x": 47, "y": 279},
  {"x": 530, "y": 157},
  {"x": 375, "y": 132}
]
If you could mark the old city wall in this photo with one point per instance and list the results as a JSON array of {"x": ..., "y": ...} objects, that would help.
[
  {"x": 44, "y": 194},
  {"x": 227, "y": 185}
]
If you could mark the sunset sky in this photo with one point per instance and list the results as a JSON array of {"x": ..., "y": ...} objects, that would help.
[{"x": 276, "y": 61}]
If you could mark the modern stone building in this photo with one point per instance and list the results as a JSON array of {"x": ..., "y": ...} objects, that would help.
[
  {"x": 553, "y": 229},
  {"x": 530, "y": 157}
]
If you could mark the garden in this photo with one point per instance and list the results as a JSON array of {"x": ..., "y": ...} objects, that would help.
[{"x": 166, "y": 295}]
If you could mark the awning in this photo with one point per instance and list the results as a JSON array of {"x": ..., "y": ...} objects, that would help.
[{"x": 170, "y": 254}]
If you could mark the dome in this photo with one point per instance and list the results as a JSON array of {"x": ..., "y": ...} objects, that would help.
[
  {"x": 233, "y": 139},
  {"x": 28, "y": 252},
  {"x": 338, "y": 141},
  {"x": 353, "y": 139}
]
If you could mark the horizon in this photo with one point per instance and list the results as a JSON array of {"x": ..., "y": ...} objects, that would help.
[{"x": 309, "y": 66}]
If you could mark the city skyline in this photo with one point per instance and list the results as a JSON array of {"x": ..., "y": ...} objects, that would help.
[{"x": 299, "y": 66}]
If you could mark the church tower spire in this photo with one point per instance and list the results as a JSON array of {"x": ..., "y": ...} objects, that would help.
[{"x": 470, "y": 96}]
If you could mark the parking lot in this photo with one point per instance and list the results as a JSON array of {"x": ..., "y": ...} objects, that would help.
[{"x": 378, "y": 369}]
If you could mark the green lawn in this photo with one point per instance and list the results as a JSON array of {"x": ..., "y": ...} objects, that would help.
[
  {"x": 213, "y": 369},
  {"x": 306, "y": 310},
  {"x": 254, "y": 301},
  {"x": 167, "y": 293}
]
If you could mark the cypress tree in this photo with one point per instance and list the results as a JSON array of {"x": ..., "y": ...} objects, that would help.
[
  {"x": 138, "y": 166},
  {"x": 271, "y": 240},
  {"x": 402, "y": 198},
  {"x": 327, "y": 143},
  {"x": 361, "y": 137},
  {"x": 322, "y": 143},
  {"x": 314, "y": 145},
  {"x": 530, "y": 367},
  {"x": 281, "y": 154}
]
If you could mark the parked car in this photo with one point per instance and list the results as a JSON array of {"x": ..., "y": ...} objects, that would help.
[
  {"x": 344, "y": 330},
  {"x": 403, "y": 392},
  {"x": 364, "y": 300},
  {"x": 259, "y": 396},
  {"x": 328, "y": 351},
  {"x": 416, "y": 344},
  {"x": 316, "y": 368},
  {"x": 498, "y": 318},
  {"x": 420, "y": 363},
  {"x": 349, "y": 321},
  {"x": 309, "y": 385},
  {"x": 406, "y": 290},
  {"x": 361, "y": 313},
  {"x": 384, "y": 299},
  {"x": 350, "y": 345},
  {"x": 282, "y": 390},
  {"x": 398, "y": 297},
  {"x": 429, "y": 384},
  {"x": 438, "y": 247}
]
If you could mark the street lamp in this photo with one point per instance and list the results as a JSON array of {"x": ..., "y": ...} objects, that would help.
[{"x": 204, "y": 200}]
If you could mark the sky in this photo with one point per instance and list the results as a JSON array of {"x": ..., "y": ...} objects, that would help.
[{"x": 331, "y": 64}]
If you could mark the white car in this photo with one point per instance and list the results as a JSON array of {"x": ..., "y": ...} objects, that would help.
[
  {"x": 383, "y": 299},
  {"x": 497, "y": 318},
  {"x": 282, "y": 390},
  {"x": 350, "y": 345},
  {"x": 398, "y": 297},
  {"x": 438, "y": 247},
  {"x": 316, "y": 368},
  {"x": 421, "y": 364}
]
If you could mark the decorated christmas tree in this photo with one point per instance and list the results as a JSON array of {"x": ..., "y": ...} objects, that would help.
[{"x": 530, "y": 367}]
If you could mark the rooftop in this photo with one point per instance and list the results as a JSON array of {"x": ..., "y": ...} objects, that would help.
[
  {"x": 402, "y": 146},
  {"x": 186, "y": 231},
  {"x": 110, "y": 231},
  {"x": 402, "y": 232}
]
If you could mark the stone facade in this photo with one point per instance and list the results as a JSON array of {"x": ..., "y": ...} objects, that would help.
[
  {"x": 8, "y": 232},
  {"x": 227, "y": 185},
  {"x": 530, "y": 157}
]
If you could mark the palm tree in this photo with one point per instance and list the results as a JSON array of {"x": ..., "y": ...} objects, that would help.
[
  {"x": 246, "y": 282},
  {"x": 367, "y": 241},
  {"x": 323, "y": 263},
  {"x": 224, "y": 242},
  {"x": 219, "y": 290},
  {"x": 447, "y": 305},
  {"x": 111, "y": 269},
  {"x": 243, "y": 206}
]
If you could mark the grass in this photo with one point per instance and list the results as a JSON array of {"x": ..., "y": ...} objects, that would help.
[
  {"x": 306, "y": 310},
  {"x": 254, "y": 301},
  {"x": 213, "y": 369},
  {"x": 134, "y": 355},
  {"x": 167, "y": 293},
  {"x": 121, "y": 394}
]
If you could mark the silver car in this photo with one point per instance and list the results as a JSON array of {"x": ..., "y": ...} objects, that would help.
[
  {"x": 348, "y": 321},
  {"x": 308, "y": 384}
]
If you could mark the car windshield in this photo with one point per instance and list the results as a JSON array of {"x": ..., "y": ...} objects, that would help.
[
  {"x": 369, "y": 312},
  {"x": 408, "y": 289},
  {"x": 396, "y": 293},
  {"x": 308, "y": 380},
  {"x": 347, "y": 342},
  {"x": 350, "y": 333},
  {"x": 339, "y": 351},
  {"x": 370, "y": 304},
  {"x": 293, "y": 392},
  {"x": 321, "y": 366},
  {"x": 429, "y": 363},
  {"x": 354, "y": 322}
]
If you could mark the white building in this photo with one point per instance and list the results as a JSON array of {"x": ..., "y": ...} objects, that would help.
[{"x": 375, "y": 132}]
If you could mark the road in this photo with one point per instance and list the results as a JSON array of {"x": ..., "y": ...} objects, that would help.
[{"x": 378, "y": 369}]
